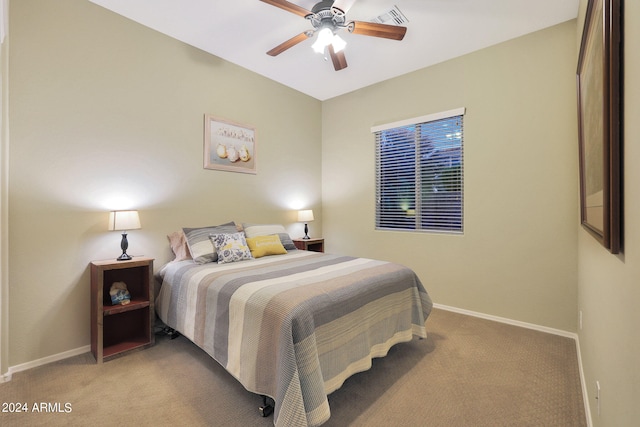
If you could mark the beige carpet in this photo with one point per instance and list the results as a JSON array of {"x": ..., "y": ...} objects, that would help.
[{"x": 469, "y": 372}]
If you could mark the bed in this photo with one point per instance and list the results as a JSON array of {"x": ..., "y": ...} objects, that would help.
[{"x": 292, "y": 326}]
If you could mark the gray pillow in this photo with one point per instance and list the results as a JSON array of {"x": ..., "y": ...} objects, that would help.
[{"x": 200, "y": 246}]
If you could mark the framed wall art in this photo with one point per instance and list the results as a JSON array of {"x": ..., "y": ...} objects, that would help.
[
  {"x": 599, "y": 123},
  {"x": 229, "y": 146}
]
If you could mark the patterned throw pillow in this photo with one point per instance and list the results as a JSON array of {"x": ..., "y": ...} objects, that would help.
[
  {"x": 230, "y": 247},
  {"x": 265, "y": 245}
]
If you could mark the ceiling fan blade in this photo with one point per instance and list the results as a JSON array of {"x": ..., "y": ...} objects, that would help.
[
  {"x": 289, "y": 7},
  {"x": 344, "y": 5},
  {"x": 393, "y": 32},
  {"x": 338, "y": 59},
  {"x": 288, "y": 44}
]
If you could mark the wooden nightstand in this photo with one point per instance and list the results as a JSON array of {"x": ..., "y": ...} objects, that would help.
[
  {"x": 315, "y": 245},
  {"x": 118, "y": 329}
]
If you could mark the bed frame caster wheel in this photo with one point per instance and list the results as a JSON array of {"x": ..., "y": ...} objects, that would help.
[
  {"x": 265, "y": 411},
  {"x": 267, "y": 406}
]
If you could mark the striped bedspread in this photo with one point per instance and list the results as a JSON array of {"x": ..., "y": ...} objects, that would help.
[{"x": 294, "y": 327}]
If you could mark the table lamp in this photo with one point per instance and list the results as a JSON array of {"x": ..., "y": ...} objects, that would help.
[
  {"x": 305, "y": 216},
  {"x": 123, "y": 221}
]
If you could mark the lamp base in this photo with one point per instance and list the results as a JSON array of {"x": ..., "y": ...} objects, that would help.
[
  {"x": 124, "y": 244},
  {"x": 306, "y": 233}
]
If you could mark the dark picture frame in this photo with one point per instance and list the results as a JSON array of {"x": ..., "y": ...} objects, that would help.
[{"x": 599, "y": 123}]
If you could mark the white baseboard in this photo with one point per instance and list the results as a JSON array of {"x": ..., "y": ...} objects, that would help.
[
  {"x": 585, "y": 393},
  {"x": 572, "y": 335},
  {"x": 509, "y": 321},
  {"x": 44, "y": 361}
]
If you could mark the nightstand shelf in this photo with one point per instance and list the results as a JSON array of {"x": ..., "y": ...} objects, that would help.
[
  {"x": 119, "y": 329},
  {"x": 133, "y": 305},
  {"x": 314, "y": 245},
  {"x": 113, "y": 351}
]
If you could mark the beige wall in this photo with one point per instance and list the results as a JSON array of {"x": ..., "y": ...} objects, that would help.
[
  {"x": 609, "y": 285},
  {"x": 107, "y": 114},
  {"x": 517, "y": 257}
]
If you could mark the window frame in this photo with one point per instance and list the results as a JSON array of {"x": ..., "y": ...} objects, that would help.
[{"x": 418, "y": 176}]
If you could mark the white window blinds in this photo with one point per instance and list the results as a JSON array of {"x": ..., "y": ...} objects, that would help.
[{"x": 419, "y": 173}]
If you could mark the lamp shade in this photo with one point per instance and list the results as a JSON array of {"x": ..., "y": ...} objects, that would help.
[
  {"x": 124, "y": 220},
  {"x": 305, "y": 215}
]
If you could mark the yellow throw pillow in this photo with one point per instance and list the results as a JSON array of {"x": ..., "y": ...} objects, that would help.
[{"x": 265, "y": 245}]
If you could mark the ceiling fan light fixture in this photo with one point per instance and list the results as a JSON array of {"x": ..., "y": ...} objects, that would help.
[
  {"x": 338, "y": 43},
  {"x": 324, "y": 39},
  {"x": 326, "y": 20}
]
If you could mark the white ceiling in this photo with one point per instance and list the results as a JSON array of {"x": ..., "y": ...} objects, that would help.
[{"x": 242, "y": 31}]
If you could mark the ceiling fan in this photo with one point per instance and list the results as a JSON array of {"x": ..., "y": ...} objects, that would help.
[{"x": 327, "y": 18}]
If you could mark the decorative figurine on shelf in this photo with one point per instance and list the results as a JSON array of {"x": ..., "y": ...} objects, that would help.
[{"x": 119, "y": 294}]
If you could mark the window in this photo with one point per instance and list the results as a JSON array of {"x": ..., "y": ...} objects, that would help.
[{"x": 419, "y": 174}]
